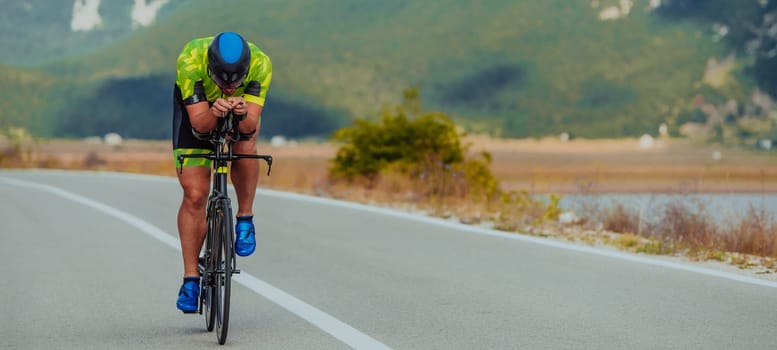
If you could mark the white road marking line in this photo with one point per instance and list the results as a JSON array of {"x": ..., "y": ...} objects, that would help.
[
  {"x": 338, "y": 329},
  {"x": 479, "y": 230}
]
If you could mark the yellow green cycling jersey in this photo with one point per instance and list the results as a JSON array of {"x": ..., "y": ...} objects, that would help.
[{"x": 196, "y": 84}]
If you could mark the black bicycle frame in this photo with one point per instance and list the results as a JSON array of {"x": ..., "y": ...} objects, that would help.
[{"x": 223, "y": 136}]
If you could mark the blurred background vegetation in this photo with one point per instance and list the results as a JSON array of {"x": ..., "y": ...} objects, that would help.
[{"x": 590, "y": 68}]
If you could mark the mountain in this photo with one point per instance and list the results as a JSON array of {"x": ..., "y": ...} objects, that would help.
[
  {"x": 605, "y": 68},
  {"x": 39, "y": 31}
]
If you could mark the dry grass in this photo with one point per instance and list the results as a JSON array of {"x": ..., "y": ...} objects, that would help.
[
  {"x": 538, "y": 166},
  {"x": 607, "y": 166},
  {"x": 683, "y": 228}
]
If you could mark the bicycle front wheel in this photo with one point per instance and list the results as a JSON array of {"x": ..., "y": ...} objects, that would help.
[
  {"x": 208, "y": 274},
  {"x": 224, "y": 259}
]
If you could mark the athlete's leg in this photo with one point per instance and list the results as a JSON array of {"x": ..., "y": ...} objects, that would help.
[
  {"x": 192, "y": 225},
  {"x": 194, "y": 178},
  {"x": 245, "y": 176}
]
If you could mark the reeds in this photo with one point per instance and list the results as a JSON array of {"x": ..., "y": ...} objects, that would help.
[{"x": 685, "y": 226}]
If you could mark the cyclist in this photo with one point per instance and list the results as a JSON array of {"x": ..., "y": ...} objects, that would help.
[{"x": 215, "y": 75}]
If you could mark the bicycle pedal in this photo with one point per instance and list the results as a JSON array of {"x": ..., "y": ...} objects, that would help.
[{"x": 235, "y": 271}]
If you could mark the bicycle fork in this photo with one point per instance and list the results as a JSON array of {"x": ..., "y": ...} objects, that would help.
[{"x": 223, "y": 203}]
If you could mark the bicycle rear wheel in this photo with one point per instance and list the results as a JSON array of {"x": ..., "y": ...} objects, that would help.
[{"x": 224, "y": 262}]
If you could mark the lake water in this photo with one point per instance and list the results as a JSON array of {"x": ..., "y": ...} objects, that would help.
[{"x": 718, "y": 206}]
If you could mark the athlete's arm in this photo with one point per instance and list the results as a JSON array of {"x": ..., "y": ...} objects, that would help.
[
  {"x": 203, "y": 118},
  {"x": 252, "y": 112}
]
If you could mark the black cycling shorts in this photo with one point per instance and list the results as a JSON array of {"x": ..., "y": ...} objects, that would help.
[{"x": 184, "y": 141}]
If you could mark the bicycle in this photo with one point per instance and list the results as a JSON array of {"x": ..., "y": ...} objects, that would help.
[{"x": 218, "y": 263}]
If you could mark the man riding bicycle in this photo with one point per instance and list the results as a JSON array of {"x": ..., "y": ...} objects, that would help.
[{"x": 215, "y": 76}]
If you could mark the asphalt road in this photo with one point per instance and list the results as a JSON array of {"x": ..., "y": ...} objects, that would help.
[{"x": 90, "y": 261}]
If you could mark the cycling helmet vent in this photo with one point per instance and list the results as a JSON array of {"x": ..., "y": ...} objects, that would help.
[{"x": 230, "y": 47}]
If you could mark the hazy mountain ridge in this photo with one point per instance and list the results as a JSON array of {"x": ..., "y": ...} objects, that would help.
[
  {"x": 511, "y": 68},
  {"x": 39, "y": 31}
]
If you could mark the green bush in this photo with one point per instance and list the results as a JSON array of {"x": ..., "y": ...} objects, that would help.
[
  {"x": 424, "y": 146},
  {"x": 477, "y": 171},
  {"x": 396, "y": 138},
  {"x": 519, "y": 209}
]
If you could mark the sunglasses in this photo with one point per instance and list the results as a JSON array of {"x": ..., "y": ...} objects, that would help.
[{"x": 224, "y": 84}]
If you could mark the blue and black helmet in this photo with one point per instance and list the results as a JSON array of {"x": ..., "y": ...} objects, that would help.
[{"x": 228, "y": 59}]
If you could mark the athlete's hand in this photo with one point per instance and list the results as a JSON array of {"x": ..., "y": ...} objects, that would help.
[
  {"x": 238, "y": 105},
  {"x": 220, "y": 107}
]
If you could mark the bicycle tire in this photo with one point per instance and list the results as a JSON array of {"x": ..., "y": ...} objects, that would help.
[
  {"x": 224, "y": 258},
  {"x": 206, "y": 299}
]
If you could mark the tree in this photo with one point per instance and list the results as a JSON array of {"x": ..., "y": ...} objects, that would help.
[{"x": 748, "y": 26}]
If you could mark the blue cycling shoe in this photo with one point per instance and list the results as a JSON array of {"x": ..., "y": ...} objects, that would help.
[
  {"x": 245, "y": 243},
  {"x": 188, "y": 295}
]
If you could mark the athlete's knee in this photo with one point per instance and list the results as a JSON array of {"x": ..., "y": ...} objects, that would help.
[
  {"x": 247, "y": 146},
  {"x": 196, "y": 195}
]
